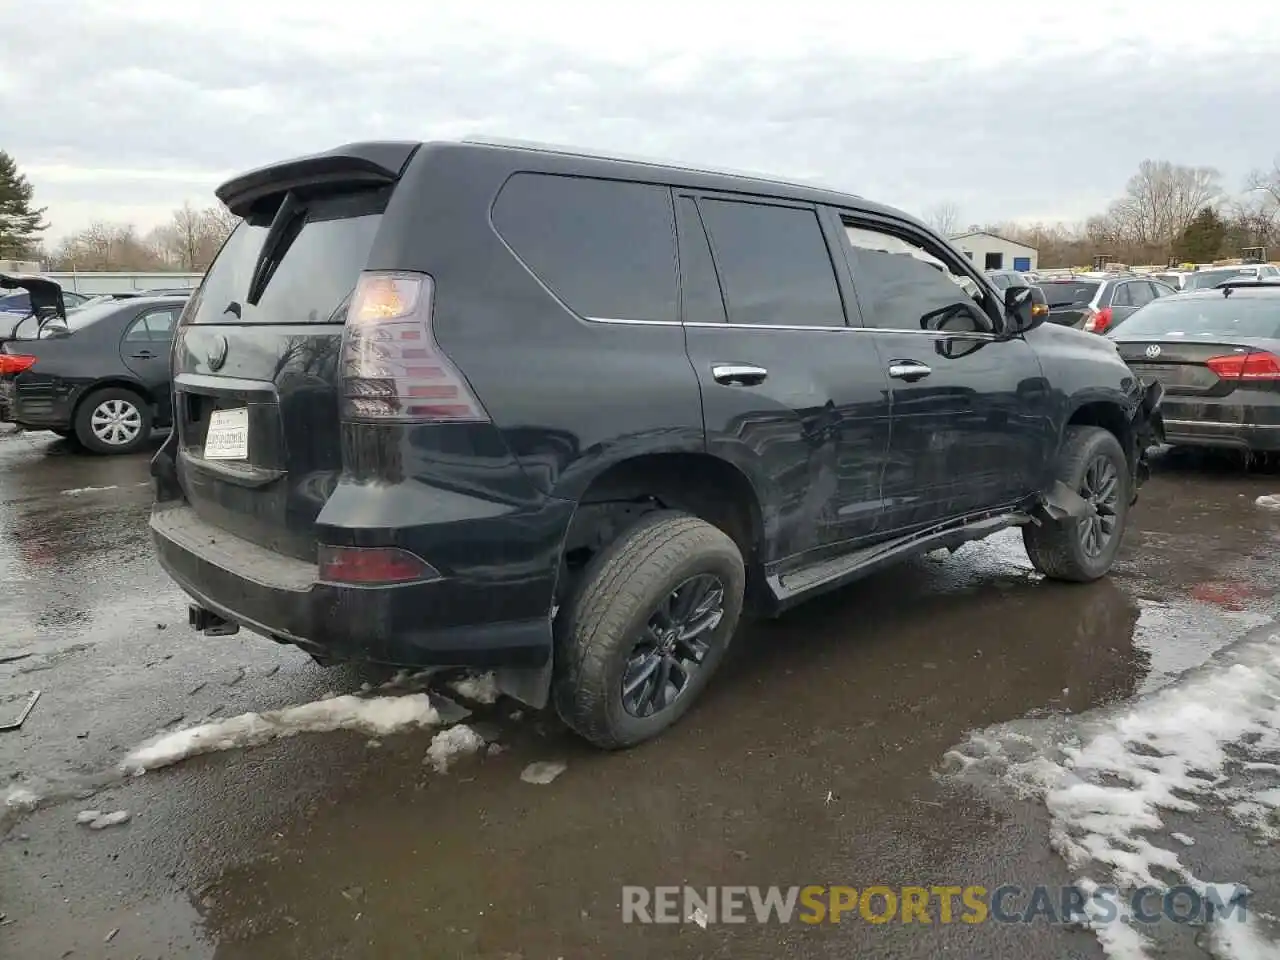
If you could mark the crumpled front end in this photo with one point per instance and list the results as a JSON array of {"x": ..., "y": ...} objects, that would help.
[{"x": 1148, "y": 431}]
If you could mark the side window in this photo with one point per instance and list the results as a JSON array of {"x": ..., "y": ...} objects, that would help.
[
  {"x": 153, "y": 327},
  {"x": 1000, "y": 280},
  {"x": 160, "y": 325},
  {"x": 137, "y": 332},
  {"x": 606, "y": 248},
  {"x": 700, "y": 298},
  {"x": 903, "y": 286},
  {"x": 1140, "y": 293},
  {"x": 774, "y": 264},
  {"x": 1122, "y": 295}
]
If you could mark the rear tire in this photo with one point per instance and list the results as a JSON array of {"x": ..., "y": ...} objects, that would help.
[
  {"x": 626, "y": 617},
  {"x": 1093, "y": 464},
  {"x": 113, "y": 420}
]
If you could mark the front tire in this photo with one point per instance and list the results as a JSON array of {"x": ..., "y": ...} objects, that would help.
[
  {"x": 113, "y": 420},
  {"x": 1093, "y": 464},
  {"x": 647, "y": 627}
]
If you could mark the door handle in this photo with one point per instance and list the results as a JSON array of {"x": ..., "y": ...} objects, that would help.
[
  {"x": 744, "y": 373},
  {"x": 142, "y": 355},
  {"x": 909, "y": 370}
]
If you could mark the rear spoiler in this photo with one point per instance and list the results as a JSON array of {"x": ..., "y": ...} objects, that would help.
[
  {"x": 371, "y": 163},
  {"x": 45, "y": 294}
]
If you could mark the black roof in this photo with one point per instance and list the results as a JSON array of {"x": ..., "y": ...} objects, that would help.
[{"x": 384, "y": 162}]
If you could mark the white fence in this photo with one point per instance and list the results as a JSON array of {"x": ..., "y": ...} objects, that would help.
[{"x": 93, "y": 283}]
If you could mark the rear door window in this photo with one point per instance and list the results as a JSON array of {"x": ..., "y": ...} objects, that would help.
[
  {"x": 155, "y": 326},
  {"x": 701, "y": 299},
  {"x": 605, "y": 248},
  {"x": 1069, "y": 293},
  {"x": 1122, "y": 295},
  {"x": 315, "y": 275},
  {"x": 773, "y": 263}
]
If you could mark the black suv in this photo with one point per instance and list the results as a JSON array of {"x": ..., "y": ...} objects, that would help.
[{"x": 497, "y": 405}]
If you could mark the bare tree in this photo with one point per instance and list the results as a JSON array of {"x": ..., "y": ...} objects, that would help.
[
  {"x": 105, "y": 246},
  {"x": 1266, "y": 182},
  {"x": 944, "y": 217},
  {"x": 1160, "y": 201},
  {"x": 192, "y": 238}
]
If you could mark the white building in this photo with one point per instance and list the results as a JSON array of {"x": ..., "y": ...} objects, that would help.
[{"x": 990, "y": 252}]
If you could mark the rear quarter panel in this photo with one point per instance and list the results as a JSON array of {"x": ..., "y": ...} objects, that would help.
[{"x": 570, "y": 396}]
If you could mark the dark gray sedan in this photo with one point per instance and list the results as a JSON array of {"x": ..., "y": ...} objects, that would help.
[
  {"x": 1217, "y": 355},
  {"x": 101, "y": 376}
]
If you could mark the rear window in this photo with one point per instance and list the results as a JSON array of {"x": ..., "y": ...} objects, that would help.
[
  {"x": 1208, "y": 279},
  {"x": 316, "y": 274},
  {"x": 1069, "y": 293},
  {"x": 1210, "y": 317},
  {"x": 605, "y": 248}
]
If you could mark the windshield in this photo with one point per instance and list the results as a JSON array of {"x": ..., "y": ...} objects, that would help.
[
  {"x": 1068, "y": 293},
  {"x": 1209, "y": 317},
  {"x": 1208, "y": 279}
]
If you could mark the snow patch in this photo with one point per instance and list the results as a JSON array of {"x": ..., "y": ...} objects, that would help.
[
  {"x": 21, "y": 798},
  {"x": 451, "y": 743},
  {"x": 1109, "y": 778},
  {"x": 77, "y": 491},
  {"x": 97, "y": 820},
  {"x": 1183, "y": 839},
  {"x": 543, "y": 772},
  {"x": 373, "y": 715},
  {"x": 482, "y": 688},
  {"x": 1271, "y": 501}
]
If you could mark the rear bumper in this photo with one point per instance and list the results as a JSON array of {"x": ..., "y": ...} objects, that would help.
[
  {"x": 498, "y": 618},
  {"x": 1214, "y": 433}
]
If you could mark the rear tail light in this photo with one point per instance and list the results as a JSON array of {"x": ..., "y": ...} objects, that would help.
[
  {"x": 369, "y": 566},
  {"x": 15, "y": 363},
  {"x": 1097, "y": 321},
  {"x": 392, "y": 367},
  {"x": 1246, "y": 366}
]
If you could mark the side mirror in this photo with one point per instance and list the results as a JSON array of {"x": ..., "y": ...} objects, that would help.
[{"x": 1022, "y": 313}]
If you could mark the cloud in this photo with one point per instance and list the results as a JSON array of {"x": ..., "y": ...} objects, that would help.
[{"x": 144, "y": 105}]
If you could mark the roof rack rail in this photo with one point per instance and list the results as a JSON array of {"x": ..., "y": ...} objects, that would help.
[
  {"x": 571, "y": 151},
  {"x": 1228, "y": 285}
]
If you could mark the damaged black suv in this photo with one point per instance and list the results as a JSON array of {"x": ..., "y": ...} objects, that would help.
[{"x": 565, "y": 416}]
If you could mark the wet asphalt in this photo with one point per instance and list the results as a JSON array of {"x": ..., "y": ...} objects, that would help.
[{"x": 812, "y": 758}]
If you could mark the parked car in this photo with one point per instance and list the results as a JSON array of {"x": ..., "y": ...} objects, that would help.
[
  {"x": 1004, "y": 279},
  {"x": 1217, "y": 355},
  {"x": 1208, "y": 279},
  {"x": 514, "y": 434},
  {"x": 101, "y": 376},
  {"x": 1174, "y": 279},
  {"x": 1097, "y": 302}
]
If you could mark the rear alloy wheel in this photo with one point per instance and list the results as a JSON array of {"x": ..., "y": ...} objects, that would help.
[
  {"x": 113, "y": 420},
  {"x": 1093, "y": 464},
  {"x": 648, "y": 626}
]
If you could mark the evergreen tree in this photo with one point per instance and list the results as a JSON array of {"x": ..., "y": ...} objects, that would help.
[
  {"x": 1202, "y": 241},
  {"x": 20, "y": 223}
]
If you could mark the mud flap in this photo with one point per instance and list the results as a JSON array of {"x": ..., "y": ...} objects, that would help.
[
  {"x": 530, "y": 685},
  {"x": 1062, "y": 503}
]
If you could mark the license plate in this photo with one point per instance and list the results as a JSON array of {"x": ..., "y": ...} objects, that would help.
[{"x": 228, "y": 436}]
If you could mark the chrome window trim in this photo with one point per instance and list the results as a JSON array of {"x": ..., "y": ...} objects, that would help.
[{"x": 783, "y": 326}]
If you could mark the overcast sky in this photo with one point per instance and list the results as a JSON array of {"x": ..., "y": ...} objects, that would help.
[{"x": 1039, "y": 111}]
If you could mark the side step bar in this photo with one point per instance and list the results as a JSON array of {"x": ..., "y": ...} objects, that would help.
[{"x": 789, "y": 588}]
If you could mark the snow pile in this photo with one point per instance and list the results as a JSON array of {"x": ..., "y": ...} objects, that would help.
[
  {"x": 447, "y": 744},
  {"x": 97, "y": 820},
  {"x": 80, "y": 490},
  {"x": 21, "y": 798},
  {"x": 373, "y": 715},
  {"x": 482, "y": 688},
  {"x": 1271, "y": 501},
  {"x": 1212, "y": 738}
]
